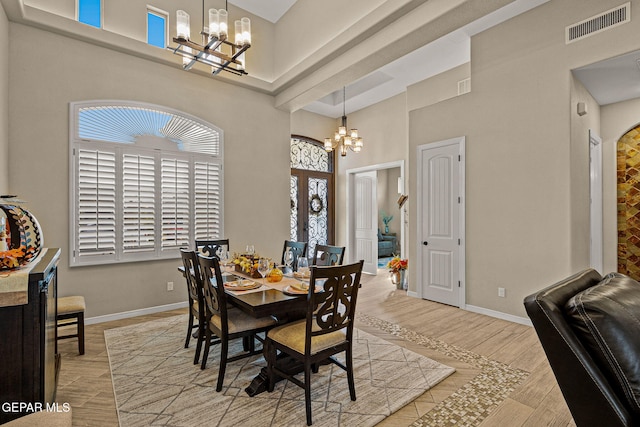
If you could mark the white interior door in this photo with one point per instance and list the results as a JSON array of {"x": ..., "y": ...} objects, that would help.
[
  {"x": 440, "y": 221},
  {"x": 595, "y": 154},
  {"x": 366, "y": 220}
]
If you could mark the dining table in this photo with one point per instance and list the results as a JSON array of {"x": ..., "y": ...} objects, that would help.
[{"x": 285, "y": 300}]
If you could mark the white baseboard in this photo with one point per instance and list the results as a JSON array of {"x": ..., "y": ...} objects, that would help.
[
  {"x": 134, "y": 313},
  {"x": 488, "y": 312},
  {"x": 500, "y": 315}
]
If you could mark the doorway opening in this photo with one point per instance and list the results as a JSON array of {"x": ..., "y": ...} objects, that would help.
[
  {"x": 628, "y": 172},
  {"x": 372, "y": 195}
]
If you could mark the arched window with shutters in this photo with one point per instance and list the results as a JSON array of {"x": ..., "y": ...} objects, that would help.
[
  {"x": 145, "y": 181},
  {"x": 312, "y": 192}
]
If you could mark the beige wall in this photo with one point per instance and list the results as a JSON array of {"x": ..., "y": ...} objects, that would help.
[
  {"x": 527, "y": 177},
  {"x": 387, "y": 199},
  {"x": 437, "y": 88},
  {"x": 256, "y": 155},
  {"x": 312, "y": 125},
  {"x": 311, "y": 25},
  {"x": 4, "y": 104}
]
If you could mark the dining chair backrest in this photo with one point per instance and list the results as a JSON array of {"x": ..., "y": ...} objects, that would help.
[
  {"x": 326, "y": 255},
  {"x": 334, "y": 308},
  {"x": 192, "y": 275},
  {"x": 297, "y": 249},
  {"x": 213, "y": 289},
  {"x": 210, "y": 247}
]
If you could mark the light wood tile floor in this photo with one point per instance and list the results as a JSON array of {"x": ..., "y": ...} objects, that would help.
[{"x": 85, "y": 381}]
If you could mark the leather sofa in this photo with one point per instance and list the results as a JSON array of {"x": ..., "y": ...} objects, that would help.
[{"x": 589, "y": 327}]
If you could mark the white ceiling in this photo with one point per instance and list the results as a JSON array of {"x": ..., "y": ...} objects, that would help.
[
  {"x": 271, "y": 10},
  {"x": 612, "y": 80}
]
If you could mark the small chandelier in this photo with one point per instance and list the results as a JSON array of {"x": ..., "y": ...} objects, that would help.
[
  {"x": 340, "y": 138},
  {"x": 216, "y": 50}
]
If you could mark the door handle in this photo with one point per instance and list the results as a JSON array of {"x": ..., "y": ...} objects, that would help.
[{"x": 425, "y": 243}]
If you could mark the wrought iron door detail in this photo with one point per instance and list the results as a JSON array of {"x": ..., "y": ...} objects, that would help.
[
  {"x": 311, "y": 192},
  {"x": 317, "y": 230}
]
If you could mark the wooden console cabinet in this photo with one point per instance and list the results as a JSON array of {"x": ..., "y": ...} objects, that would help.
[{"x": 29, "y": 362}]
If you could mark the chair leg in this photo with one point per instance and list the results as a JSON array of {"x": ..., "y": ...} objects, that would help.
[
  {"x": 201, "y": 334},
  {"x": 189, "y": 331},
  {"x": 207, "y": 344},
  {"x": 307, "y": 391},
  {"x": 81, "y": 333},
  {"x": 352, "y": 385},
  {"x": 223, "y": 364}
]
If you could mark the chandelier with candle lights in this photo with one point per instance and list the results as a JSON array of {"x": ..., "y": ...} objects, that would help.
[
  {"x": 216, "y": 50},
  {"x": 341, "y": 138}
]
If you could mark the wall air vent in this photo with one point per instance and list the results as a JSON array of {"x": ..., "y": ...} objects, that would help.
[
  {"x": 604, "y": 21},
  {"x": 464, "y": 86}
]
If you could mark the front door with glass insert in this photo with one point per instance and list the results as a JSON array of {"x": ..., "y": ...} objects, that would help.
[{"x": 312, "y": 203}]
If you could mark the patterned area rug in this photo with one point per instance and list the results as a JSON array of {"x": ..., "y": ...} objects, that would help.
[{"x": 156, "y": 383}]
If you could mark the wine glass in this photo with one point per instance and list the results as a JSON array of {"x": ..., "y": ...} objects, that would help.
[
  {"x": 250, "y": 250},
  {"x": 263, "y": 267},
  {"x": 303, "y": 266},
  {"x": 225, "y": 261},
  {"x": 288, "y": 261}
]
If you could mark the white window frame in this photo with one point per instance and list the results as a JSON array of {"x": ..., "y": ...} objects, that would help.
[
  {"x": 163, "y": 14},
  {"x": 156, "y": 148}
]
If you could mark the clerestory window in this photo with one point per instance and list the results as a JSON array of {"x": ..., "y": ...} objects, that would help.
[
  {"x": 146, "y": 180},
  {"x": 157, "y": 24},
  {"x": 90, "y": 12}
]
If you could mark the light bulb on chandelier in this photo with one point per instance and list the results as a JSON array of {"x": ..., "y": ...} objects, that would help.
[{"x": 340, "y": 139}]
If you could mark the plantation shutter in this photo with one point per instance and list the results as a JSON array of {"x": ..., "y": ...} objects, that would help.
[
  {"x": 138, "y": 204},
  {"x": 207, "y": 191},
  {"x": 96, "y": 202},
  {"x": 175, "y": 202},
  {"x": 146, "y": 181}
]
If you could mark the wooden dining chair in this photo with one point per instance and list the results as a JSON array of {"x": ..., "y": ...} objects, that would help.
[
  {"x": 297, "y": 249},
  {"x": 197, "y": 309},
  {"x": 327, "y": 329},
  {"x": 325, "y": 255},
  {"x": 227, "y": 323},
  {"x": 210, "y": 247}
]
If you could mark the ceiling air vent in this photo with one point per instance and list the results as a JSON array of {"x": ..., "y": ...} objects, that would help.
[{"x": 609, "y": 19}]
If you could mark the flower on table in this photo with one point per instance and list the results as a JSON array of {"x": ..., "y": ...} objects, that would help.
[
  {"x": 397, "y": 264},
  {"x": 246, "y": 264}
]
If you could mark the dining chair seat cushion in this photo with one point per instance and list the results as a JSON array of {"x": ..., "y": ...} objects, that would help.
[
  {"x": 72, "y": 304},
  {"x": 292, "y": 335},
  {"x": 239, "y": 321}
]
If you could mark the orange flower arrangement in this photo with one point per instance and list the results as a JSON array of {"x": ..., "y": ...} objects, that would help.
[
  {"x": 11, "y": 258},
  {"x": 396, "y": 264}
]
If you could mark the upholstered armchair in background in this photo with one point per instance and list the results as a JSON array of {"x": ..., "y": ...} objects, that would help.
[{"x": 386, "y": 244}]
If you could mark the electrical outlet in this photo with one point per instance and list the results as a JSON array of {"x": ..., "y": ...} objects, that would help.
[
  {"x": 501, "y": 292},
  {"x": 169, "y": 286}
]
